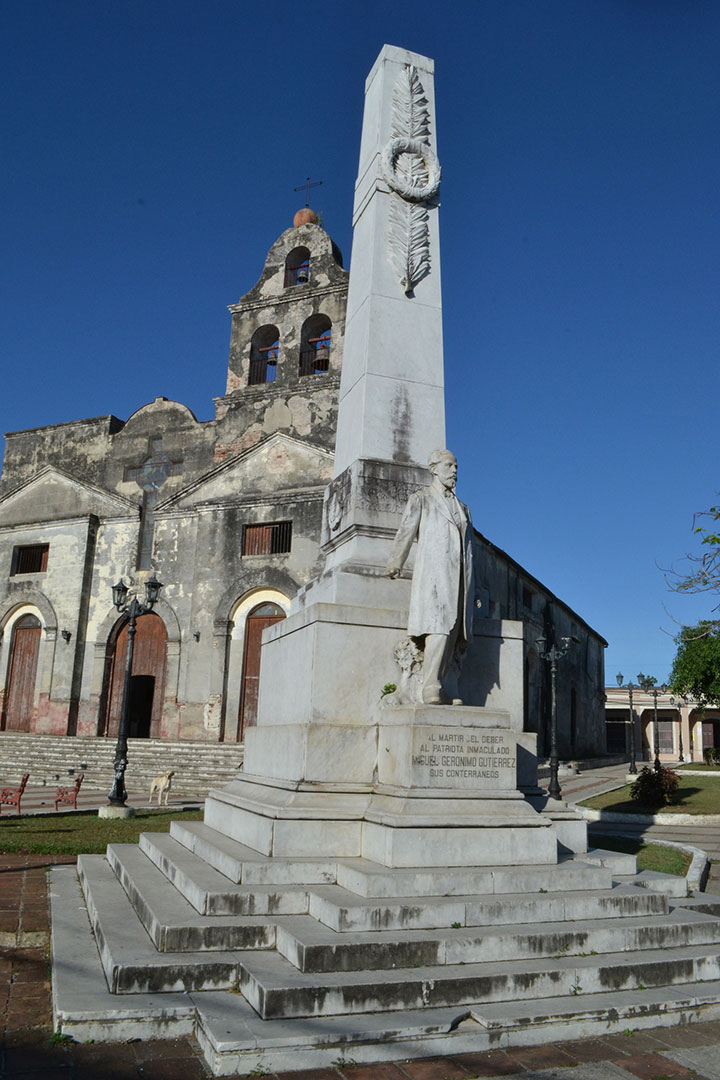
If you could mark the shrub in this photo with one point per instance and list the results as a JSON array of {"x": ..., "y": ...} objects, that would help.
[
  {"x": 655, "y": 788},
  {"x": 711, "y": 754}
]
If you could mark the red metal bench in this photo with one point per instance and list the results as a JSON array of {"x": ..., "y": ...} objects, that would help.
[
  {"x": 11, "y": 796},
  {"x": 69, "y": 794}
]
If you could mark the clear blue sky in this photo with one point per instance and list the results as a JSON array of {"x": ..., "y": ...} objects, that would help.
[{"x": 150, "y": 150}]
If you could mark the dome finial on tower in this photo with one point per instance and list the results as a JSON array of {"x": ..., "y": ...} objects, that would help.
[{"x": 306, "y": 216}]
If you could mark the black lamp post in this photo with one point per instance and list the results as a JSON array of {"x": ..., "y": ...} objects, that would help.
[
  {"x": 679, "y": 703},
  {"x": 133, "y": 609},
  {"x": 649, "y": 687},
  {"x": 552, "y": 655},
  {"x": 630, "y": 687}
]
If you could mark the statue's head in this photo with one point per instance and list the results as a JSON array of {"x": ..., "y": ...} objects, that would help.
[{"x": 443, "y": 464}]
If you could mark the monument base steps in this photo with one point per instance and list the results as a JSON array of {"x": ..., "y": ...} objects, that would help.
[{"x": 292, "y": 962}]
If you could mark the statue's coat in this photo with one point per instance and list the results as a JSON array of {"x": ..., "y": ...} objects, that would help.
[{"x": 442, "y": 580}]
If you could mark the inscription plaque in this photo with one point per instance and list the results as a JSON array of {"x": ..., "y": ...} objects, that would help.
[{"x": 477, "y": 758}]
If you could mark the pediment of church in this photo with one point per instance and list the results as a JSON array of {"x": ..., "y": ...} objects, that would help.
[
  {"x": 54, "y": 495},
  {"x": 279, "y": 464}
]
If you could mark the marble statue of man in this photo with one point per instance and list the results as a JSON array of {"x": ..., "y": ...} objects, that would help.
[{"x": 443, "y": 593}]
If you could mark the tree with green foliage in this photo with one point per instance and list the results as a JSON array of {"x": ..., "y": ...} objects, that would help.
[{"x": 696, "y": 667}]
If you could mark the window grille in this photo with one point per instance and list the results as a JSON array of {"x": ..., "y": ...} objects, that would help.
[
  {"x": 272, "y": 539},
  {"x": 297, "y": 275},
  {"x": 263, "y": 364},
  {"x": 297, "y": 267},
  {"x": 315, "y": 357},
  {"x": 30, "y": 560},
  {"x": 666, "y": 742}
]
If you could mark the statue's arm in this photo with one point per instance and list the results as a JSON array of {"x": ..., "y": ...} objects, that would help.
[{"x": 407, "y": 531}]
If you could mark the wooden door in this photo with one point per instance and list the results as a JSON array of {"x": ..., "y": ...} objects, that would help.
[
  {"x": 24, "y": 652},
  {"x": 147, "y": 679},
  {"x": 260, "y": 617}
]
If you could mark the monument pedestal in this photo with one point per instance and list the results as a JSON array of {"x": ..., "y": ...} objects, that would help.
[{"x": 432, "y": 786}]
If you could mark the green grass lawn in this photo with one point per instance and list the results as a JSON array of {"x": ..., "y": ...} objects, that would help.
[
  {"x": 78, "y": 834},
  {"x": 697, "y": 765},
  {"x": 665, "y": 860},
  {"x": 695, "y": 795}
]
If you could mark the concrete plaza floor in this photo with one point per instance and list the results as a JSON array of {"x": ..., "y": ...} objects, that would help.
[{"x": 29, "y": 1051}]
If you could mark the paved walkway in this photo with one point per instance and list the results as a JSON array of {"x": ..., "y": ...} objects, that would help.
[{"x": 28, "y": 1050}]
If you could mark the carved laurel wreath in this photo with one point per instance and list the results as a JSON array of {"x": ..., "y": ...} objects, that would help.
[
  {"x": 412, "y": 172},
  {"x": 411, "y": 188}
]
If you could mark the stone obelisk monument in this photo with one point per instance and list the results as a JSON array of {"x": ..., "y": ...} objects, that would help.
[
  {"x": 392, "y": 405},
  {"x": 330, "y": 769}
]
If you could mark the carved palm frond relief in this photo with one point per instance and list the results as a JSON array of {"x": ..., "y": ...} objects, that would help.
[
  {"x": 409, "y": 242},
  {"x": 409, "y": 237},
  {"x": 410, "y": 114}
]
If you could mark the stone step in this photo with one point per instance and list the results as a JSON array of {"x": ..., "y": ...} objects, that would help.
[
  {"x": 80, "y": 994},
  {"x": 670, "y": 885},
  {"x": 130, "y": 960},
  {"x": 369, "y": 879},
  {"x": 651, "y": 1002},
  {"x": 275, "y": 988},
  {"x": 243, "y": 864},
  {"x": 209, "y": 891},
  {"x": 310, "y": 947},
  {"x": 373, "y": 880},
  {"x": 234, "y": 1039},
  {"x": 172, "y": 922},
  {"x": 53, "y": 759},
  {"x": 619, "y": 862},
  {"x": 342, "y": 910},
  {"x": 706, "y": 902}
]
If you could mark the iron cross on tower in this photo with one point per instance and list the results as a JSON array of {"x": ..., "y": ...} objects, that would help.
[{"x": 307, "y": 185}]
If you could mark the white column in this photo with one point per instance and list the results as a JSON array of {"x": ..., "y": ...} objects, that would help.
[{"x": 392, "y": 393}]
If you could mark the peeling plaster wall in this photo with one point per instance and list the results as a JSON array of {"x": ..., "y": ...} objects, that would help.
[
  {"x": 303, "y": 406},
  {"x": 61, "y": 593},
  {"x": 79, "y": 447},
  {"x": 197, "y": 542},
  {"x": 200, "y": 555}
]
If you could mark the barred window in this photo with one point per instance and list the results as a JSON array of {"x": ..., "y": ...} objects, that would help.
[
  {"x": 315, "y": 346},
  {"x": 264, "y": 349},
  {"x": 297, "y": 267},
  {"x": 272, "y": 539},
  {"x": 666, "y": 742},
  {"x": 31, "y": 559}
]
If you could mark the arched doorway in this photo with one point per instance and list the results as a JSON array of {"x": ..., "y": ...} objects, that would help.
[
  {"x": 22, "y": 673},
  {"x": 147, "y": 679},
  {"x": 258, "y": 619}
]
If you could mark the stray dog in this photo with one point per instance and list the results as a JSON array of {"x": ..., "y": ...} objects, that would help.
[{"x": 162, "y": 785}]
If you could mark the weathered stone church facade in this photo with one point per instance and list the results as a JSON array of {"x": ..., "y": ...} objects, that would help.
[{"x": 228, "y": 514}]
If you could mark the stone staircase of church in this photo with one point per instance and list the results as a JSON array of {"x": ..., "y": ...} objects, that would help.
[
  {"x": 292, "y": 963},
  {"x": 53, "y": 760}
]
